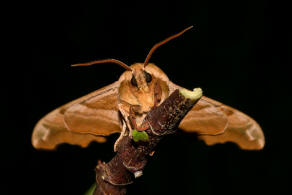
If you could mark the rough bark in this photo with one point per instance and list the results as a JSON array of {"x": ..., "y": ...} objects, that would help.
[{"x": 131, "y": 156}]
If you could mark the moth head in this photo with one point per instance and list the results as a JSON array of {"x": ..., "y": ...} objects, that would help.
[
  {"x": 140, "y": 77},
  {"x": 140, "y": 85}
]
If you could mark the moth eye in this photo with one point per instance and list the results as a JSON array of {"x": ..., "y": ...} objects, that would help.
[
  {"x": 134, "y": 81},
  {"x": 148, "y": 77}
]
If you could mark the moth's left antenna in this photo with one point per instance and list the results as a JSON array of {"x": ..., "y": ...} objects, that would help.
[
  {"x": 122, "y": 64},
  {"x": 163, "y": 42}
]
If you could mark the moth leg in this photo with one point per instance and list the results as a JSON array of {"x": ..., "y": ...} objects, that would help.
[
  {"x": 157, "y": 94},
  {"x": 123, "y": 133},
  {"x": 132, "y": 118},
  {"x": 129, "y": 113},
  {"x": 124, "y": 108}
]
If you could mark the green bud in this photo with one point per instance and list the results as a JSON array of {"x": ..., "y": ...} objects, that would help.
[{"x": 139, "y": 136}]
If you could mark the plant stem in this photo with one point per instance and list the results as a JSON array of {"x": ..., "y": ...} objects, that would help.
[{"x": 131, "y": 156}]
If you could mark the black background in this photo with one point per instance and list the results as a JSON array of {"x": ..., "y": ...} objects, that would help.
[{"x": 238, "y": 53}]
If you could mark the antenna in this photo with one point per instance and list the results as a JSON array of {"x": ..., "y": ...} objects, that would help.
[
  {"x": 163, "y": 42},
  {"x": 122, "y": 64}
]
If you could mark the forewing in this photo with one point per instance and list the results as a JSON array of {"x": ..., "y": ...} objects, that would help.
[
  {"x": 97, "y": 115},
  {"x": 52, "y": 130},
  {"x": 241, "y": 129},
  {"x": 218, "y": 123},
  {"x": 204, "y": 118}
]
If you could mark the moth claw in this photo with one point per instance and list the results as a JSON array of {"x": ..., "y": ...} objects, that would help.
[
  {"x": 151, "y": 153},
  {"x": 138, "y": 174}
]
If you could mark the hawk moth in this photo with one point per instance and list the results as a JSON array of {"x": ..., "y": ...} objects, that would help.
[{"x": 122, "y": 106}]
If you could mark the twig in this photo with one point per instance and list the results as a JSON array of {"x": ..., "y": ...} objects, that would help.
[{"x": 132, "y": 156}]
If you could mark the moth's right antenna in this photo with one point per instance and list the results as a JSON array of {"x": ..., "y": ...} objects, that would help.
[
  {"x": 105, "y": 61},
  {"x": 161, "y": 43}
]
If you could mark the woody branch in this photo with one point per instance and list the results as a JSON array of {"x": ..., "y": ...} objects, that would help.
[{"x": 132, "y": 155}]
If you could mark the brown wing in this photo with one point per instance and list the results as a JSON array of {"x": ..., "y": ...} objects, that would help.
[
  {"x": 241, "y": 129},
  {"x": 203, "y": 118},
  {"x": 73, "y": 122},
  {"x": 218, "y": 123},
  {"x": 96, "y": 115}
]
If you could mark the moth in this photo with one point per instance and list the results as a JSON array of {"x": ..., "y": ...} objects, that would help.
[{"x": 121, "y": 107}]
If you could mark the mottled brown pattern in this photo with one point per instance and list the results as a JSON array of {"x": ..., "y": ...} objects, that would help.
[
  {"x": 51, "y": 130},
  {"x": 241, "y": 129},
  {"x": 216, "y": 123}
]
